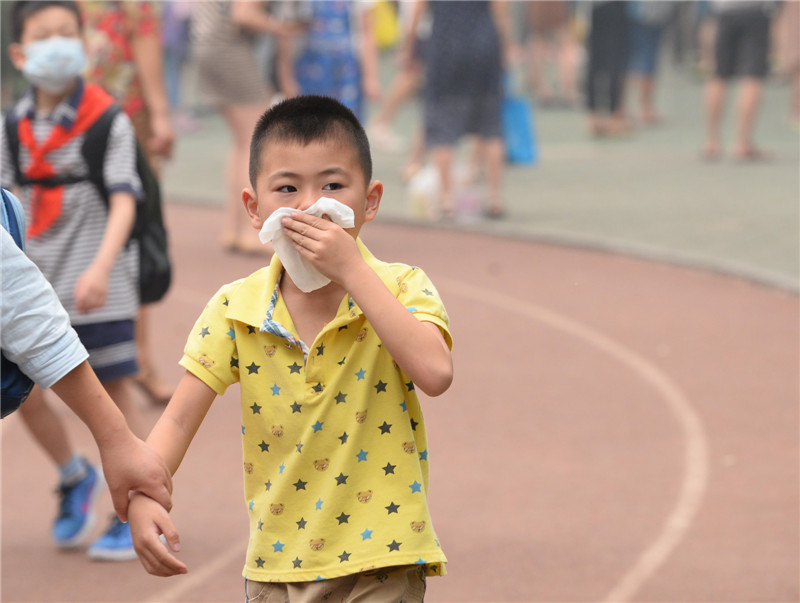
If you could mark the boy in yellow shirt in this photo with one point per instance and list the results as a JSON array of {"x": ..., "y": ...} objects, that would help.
[{"x": 334, "y": 446}]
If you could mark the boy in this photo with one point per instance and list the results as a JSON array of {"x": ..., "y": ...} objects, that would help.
[
  {"x": 334, "y": 446},
  {"x": 79, "y": 242}
]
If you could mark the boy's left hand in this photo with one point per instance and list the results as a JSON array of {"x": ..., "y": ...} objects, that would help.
[
  {"x": 329, "y": 248},
  {"x": 91, "y": 289}
]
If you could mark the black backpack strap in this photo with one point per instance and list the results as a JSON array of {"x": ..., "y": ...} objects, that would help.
[
  {"x": 12, "y": 138},
  {"x": 94, "y": 147}
]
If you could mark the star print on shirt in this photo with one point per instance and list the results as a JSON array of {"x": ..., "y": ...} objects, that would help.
[
  {"x": 204, "y": 331},
  {"x": 389, "y": 468},
  {"x": 423, "y": 455},
  {"x": 414, "y": 425},
  {"x": 427, "y": 292},
  {"x": 299, "y": 485},
  {"x": 341, "y": 479},
  {"x": 294, "y": 368},
  {"x": 251, "y": 330},
  {"x": 319, "y": 504},
  {"x": 394, "y": 545},
  {"x": 264, "y": 446},
  {"x": 234, "y": 362},
  {"x": 340, "y": 398},
  {"x": 385, "y": 428},
  {"x": 392, "y": 508},
  {"x": 321, "y": 349},
  {"x": 317, "y": 427},
  {"x": 380, "y": 386},
  {"x": 360, "y": 374},
  {"x": 341, "y": 362},
  {"x": 318, "y": 387},
  {"x": 268, "y": 485},
  {"x": 300, "y": 447},
  {"x": 344, "y": 437},
  {"x": 256, "y": 408},
  {"x": 231, "y": 333},
  {"x": 296, "y": 407},
  {"x": 343, "y": 518},
  {"x": 225, "y": 303},
  {"x": 301, "y": 525},
  {"x": 277, "y": 547},
  {"x": 362, "y": 456},
  {"x": 253, "y": 368},
  {"x": 416, "y": 486},
  {"x": 410, "y": 386},
  {"x": 260, "y": 526},
  {"x": 297, "y": 562},
  {"x": 366, "y": 535},
  {"x": 345, "y": 556},
  {"x": 260, "y": 562},
  {"x": 275, "y": 389}
]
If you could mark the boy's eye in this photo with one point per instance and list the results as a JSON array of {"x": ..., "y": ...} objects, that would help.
[
  {"x": 287, "y": 188},
  {"x": 333, "y": 186}
]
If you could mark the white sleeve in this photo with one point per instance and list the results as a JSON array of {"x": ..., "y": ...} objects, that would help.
[{"x": 35, "y": 331}]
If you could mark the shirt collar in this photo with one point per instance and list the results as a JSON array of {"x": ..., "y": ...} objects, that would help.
[
  {"x": 63, "y": 114},
  {"x": 251, "y": 302}
]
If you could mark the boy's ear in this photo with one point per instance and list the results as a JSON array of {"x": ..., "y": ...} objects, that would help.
[
  {"x": 374, "y": 195},
  {"x": 251, "y": 207},
  {"x": 17, "y": 55}
]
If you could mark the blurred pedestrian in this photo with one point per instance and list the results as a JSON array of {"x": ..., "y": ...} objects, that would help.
[
  {"x": 464, "y": 90},
  {"x": 742, "y": 49},
  {"x": 608, "y": 49},
  {"x": 76, "y": 238},
  {"x": 648, "y": 19},
  {"x": 124, "y": 55},
  {"x": 552, "y": 41},
  {"x": 338, "y": 56},
  {"x": 175, "y": 19},
  {"x": 222, "y": 41},
  {"x": 36, "y": 335}
]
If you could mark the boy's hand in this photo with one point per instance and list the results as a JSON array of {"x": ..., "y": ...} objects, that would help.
[
  {"x": 329, "y": 248},
  {"x": 148, "y": 521},
  {"x": 91, "y": 289}
]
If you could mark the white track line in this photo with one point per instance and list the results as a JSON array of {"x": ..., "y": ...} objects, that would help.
[{"x": 695, "y": 474}]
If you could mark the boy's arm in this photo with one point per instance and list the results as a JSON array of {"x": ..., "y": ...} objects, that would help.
[
  {"x": 170, "y": 438},
  {"x": 92, "y": 286},
  {"x": 418, "y": 347}
]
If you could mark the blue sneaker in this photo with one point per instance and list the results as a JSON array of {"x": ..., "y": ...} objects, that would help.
[
  {"x": 76, "y": 510},
  {"x": 115, "y": 545}
]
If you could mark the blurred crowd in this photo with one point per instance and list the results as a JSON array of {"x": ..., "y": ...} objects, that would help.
[{"x": 463, "y": 63}]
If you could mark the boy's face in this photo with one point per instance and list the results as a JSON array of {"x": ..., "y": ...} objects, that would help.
[
  {"x": 295, "y": 175},
  {"x": 46, "y": 23}
]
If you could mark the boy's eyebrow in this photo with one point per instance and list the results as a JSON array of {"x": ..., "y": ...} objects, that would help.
[{"x": 328, "y": 172}]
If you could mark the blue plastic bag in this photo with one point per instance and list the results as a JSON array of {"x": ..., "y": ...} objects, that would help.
[{"x": 518, "y": 130}]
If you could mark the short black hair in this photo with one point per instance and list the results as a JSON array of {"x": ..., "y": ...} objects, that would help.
[
  {"x": 23, "y": 9},
  {"x": 305, "y": 119}
]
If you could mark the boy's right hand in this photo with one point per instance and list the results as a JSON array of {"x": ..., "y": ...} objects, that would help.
[{"x": 148, "y": 521}]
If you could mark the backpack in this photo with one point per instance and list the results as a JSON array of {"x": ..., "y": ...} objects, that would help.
[
  {"x": 155, "y": 270},
  {"x": 16, "y": 385}
]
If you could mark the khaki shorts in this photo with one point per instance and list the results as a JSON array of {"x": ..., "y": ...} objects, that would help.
[{"x": 390, "y": 584}]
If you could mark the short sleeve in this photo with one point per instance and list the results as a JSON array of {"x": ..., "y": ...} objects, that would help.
[
  {"x": 119, "y": 169},
  {"x": 143, "y": 18},
  {"x": 421, "y": 298},
  {"x": 210, "y": 353},
  {"x": 7, "y": 176}
]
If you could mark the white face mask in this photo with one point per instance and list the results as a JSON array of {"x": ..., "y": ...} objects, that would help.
[{"x": 54, "y": 63}]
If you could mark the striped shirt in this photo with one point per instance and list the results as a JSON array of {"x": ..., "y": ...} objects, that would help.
[{"x": 68, "y": 248}]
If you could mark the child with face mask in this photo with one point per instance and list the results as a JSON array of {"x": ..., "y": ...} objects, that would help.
[{"x": 78, "y": 240}]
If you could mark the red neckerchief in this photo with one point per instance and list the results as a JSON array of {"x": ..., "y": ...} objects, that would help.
[{"x": 46, "y": 201}]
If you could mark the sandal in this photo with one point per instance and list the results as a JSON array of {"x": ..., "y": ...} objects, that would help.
[{"x": 158, "y": 392}]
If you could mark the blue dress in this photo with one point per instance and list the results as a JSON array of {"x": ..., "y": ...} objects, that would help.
[{"x": 328, "y": 65}]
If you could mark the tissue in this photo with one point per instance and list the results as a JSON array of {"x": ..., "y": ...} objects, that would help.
[{"x": 305, "y": 276}]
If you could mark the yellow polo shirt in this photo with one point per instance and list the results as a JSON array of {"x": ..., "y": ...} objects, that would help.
[{"x": 333, "y": 439}]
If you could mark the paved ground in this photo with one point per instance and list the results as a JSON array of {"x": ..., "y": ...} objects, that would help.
[{"x": 627, "y": 431}]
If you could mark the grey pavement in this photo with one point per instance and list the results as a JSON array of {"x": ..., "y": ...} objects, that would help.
[{"x": 648, "y": 195}]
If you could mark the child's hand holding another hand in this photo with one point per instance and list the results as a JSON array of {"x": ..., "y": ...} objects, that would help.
[{"x": 149, "y": 520}]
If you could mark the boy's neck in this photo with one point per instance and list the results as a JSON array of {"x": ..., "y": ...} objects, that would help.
[{"x": 46, "y": 102}]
